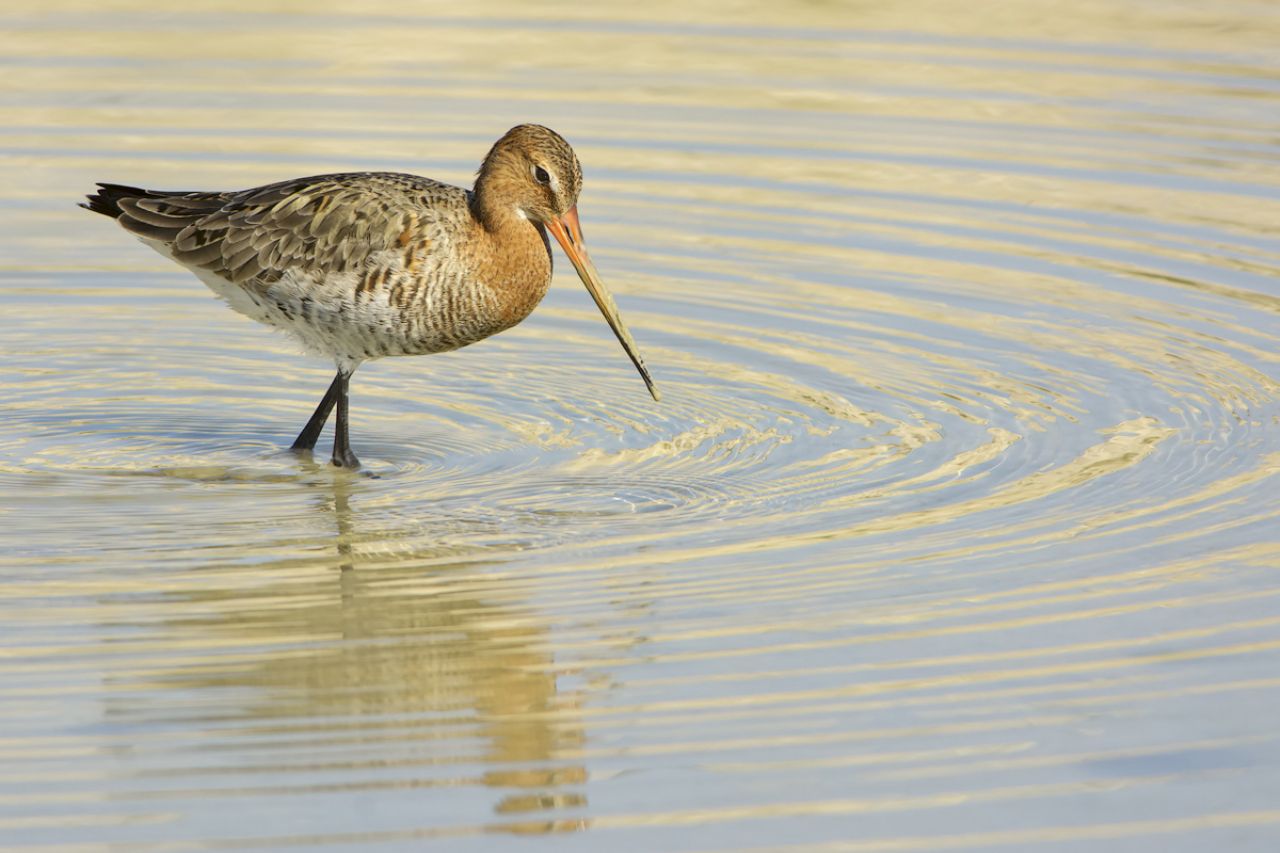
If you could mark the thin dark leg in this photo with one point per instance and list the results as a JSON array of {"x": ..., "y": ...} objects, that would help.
[
  {"x": 306, "y": 439},
  {"x": 342, "y": 455}
]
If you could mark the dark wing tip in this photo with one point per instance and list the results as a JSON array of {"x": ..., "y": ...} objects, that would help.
[
  {"x": 107, "y": 199},
  {"x": 100, "y": 204}
]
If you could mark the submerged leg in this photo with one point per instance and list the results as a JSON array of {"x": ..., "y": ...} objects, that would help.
[
  {"x": 342, "y": 455},
  {"x": 306, "y": 439}
]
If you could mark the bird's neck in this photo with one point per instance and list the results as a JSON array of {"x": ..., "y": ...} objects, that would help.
[
  {"x": 492, "y": 198},
  {"x": 493, "y": 214},
  {"x": 515, "y": 256}
]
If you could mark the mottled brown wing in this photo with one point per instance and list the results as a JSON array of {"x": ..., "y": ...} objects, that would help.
[{"x": 317, "y": 225}]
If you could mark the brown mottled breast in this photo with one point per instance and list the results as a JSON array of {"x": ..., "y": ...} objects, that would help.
[{"x": 516, "y": 264}]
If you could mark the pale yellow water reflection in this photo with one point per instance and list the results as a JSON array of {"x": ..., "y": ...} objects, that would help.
[{"x": 955, "y": 530}]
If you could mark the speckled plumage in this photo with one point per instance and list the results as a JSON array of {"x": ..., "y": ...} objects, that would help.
[
  {"x": 364, "y": 265},
  {"x": 345, "y": 263}
]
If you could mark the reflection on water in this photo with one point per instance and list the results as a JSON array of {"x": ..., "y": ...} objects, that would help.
[
  {"x": 955, "y": 528},
  {"x": 364, "y": 662}
]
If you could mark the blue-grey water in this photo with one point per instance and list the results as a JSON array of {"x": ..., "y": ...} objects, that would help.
[{"x": 957, "y": 527}]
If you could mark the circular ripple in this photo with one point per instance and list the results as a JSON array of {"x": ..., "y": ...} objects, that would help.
[{"x": 959, "y": 503}]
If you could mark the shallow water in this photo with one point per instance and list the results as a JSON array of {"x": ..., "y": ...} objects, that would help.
[{"x": 956, "y": 527}]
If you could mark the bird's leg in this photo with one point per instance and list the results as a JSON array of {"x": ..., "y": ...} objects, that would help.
[
  {"x": 342, "y": 455},
  {"x": 306, "y": 439}
]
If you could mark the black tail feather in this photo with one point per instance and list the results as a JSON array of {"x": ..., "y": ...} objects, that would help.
[{"x": 107, "y": 199}]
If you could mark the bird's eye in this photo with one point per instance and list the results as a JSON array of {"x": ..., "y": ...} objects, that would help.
[{"x": 540, "y": 175}]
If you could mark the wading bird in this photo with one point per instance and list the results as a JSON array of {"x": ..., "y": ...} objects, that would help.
[{"x": 365, "y": 265}]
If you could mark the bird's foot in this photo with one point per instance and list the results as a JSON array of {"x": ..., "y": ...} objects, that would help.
[{"x": 345, "y": 459}]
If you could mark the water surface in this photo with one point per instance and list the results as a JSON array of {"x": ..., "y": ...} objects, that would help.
[{"x": 956, "y": 527}]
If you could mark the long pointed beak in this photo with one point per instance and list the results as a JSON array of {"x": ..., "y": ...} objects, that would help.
[{"x": 568, "y": 234}]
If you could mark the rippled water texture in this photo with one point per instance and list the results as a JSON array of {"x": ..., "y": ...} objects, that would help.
[{"x": 956, "y": 528}]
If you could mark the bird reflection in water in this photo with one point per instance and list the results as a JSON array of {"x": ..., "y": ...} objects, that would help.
[
  {"x": 502, "y": 666},
  {"x": 410, "y": 664}
]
